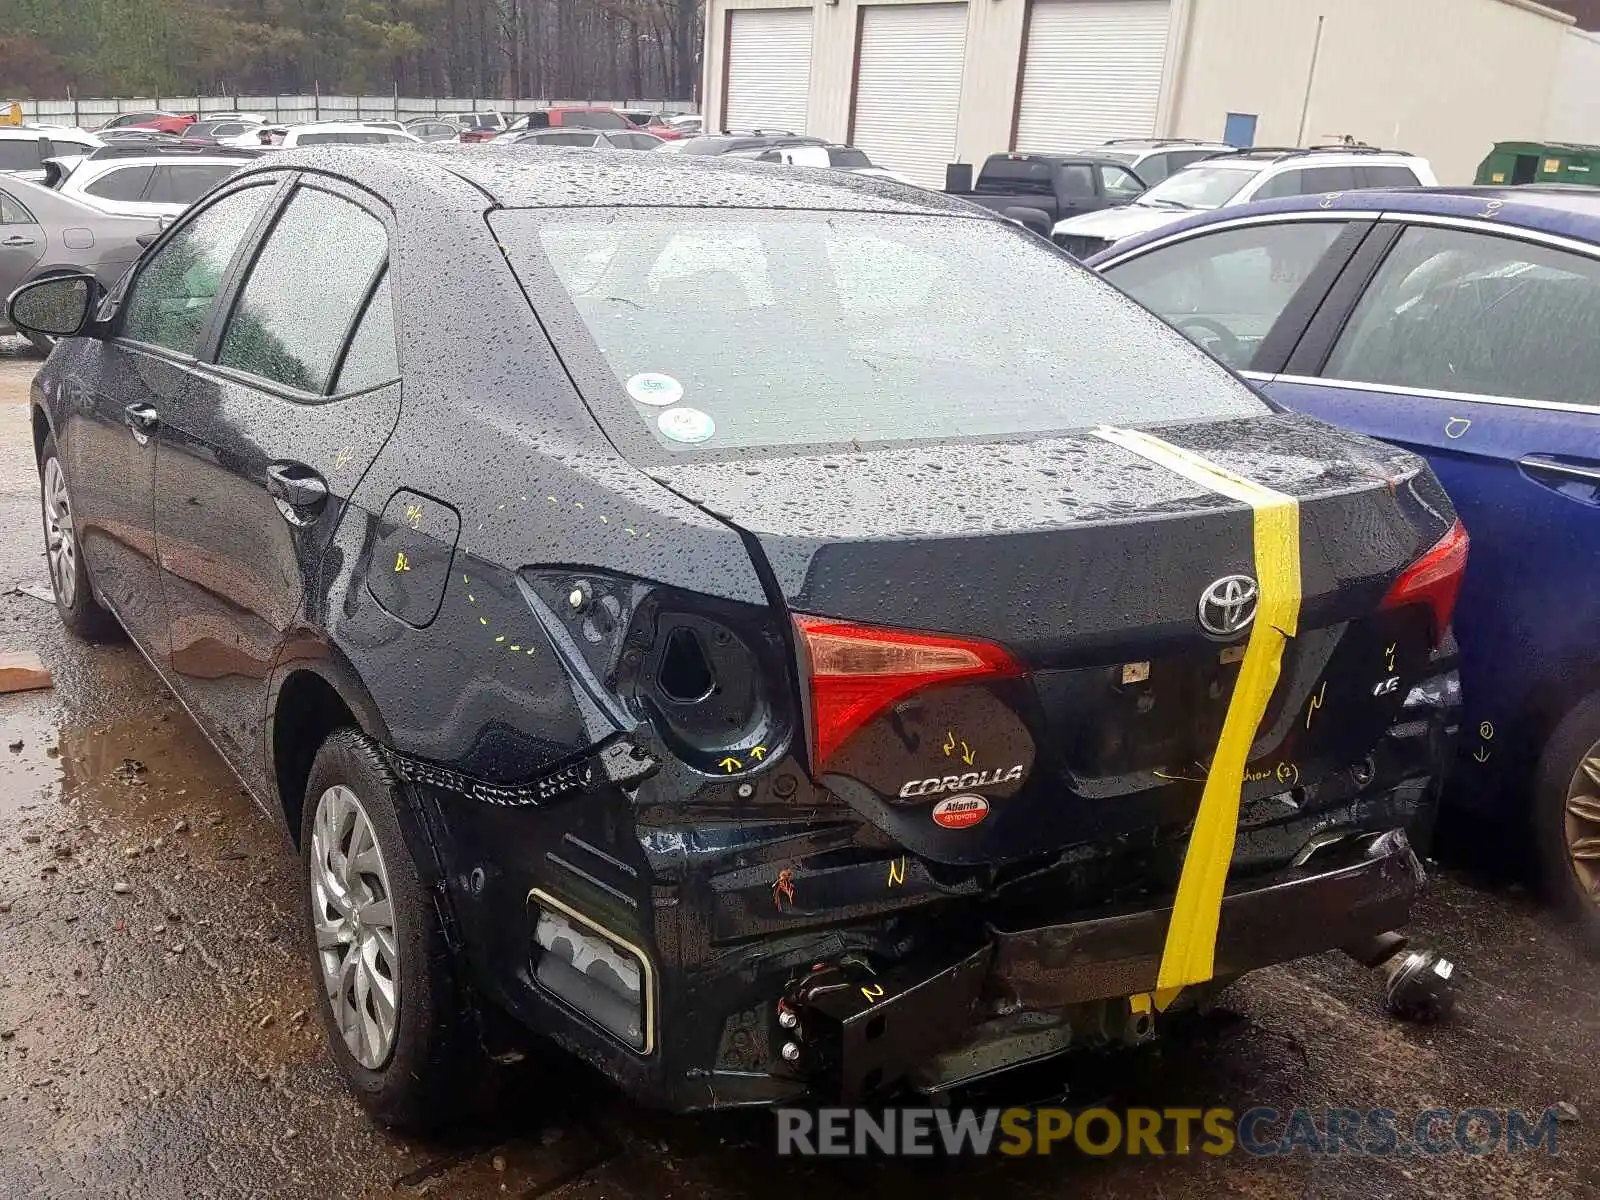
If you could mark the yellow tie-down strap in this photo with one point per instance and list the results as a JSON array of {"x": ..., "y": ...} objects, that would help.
[{"x": 1189, "y": 955}]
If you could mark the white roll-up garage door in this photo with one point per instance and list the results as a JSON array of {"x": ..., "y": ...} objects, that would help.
[
  {"x": 1092, "y": 71},
  {"x": 769, "y": 69},
  {"x": 908, "y": 87}
]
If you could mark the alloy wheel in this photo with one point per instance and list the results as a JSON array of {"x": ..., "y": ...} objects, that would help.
[
  {"x": 352, "y": 911},
  {"x": 1583, "y": 822},
  {"x": 61, "y": 542}
]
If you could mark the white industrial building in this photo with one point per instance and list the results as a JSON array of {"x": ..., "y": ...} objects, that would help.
[{"x": 918, "y": 85}]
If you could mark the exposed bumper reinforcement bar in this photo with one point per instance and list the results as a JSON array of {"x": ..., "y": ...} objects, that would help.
[{"x": 868, "y": 1031}]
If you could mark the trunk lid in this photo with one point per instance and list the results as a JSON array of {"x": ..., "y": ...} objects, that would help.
[{"x": 1087, "y": 564}]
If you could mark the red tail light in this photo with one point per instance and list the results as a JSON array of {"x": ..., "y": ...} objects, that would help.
[
  {"x": 1434, "y": 579},
  {"x": 857, "y": 671}
]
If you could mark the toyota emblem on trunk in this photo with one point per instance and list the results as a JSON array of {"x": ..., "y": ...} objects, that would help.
[{"x": 1228, "y": 605}]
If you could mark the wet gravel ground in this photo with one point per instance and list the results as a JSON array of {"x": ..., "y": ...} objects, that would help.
[{"x": 157, "y": 1035}]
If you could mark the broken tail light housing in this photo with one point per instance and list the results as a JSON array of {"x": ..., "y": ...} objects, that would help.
[
  {"x": 1434, "y": 579},
  {"x": 854, "y": 672}
]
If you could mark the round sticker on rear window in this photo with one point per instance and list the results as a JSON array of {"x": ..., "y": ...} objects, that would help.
[
  {"x": 654, "y": 388},
  {"x": 686, "y": 425}
]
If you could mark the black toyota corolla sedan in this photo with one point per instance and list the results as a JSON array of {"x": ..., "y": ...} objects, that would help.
[{"x": 774, "y": 633}]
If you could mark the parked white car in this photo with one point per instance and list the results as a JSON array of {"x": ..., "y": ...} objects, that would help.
[
  {"x": 320, "y": 133},
  {"x": 24, "y": 148},
  {"x": 830, "y": 157},
  {"x": 160, "y": 183},
  {"x": 1260, "y": 174}
]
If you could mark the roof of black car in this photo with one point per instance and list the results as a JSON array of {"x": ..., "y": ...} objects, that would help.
[{"x": 568, "y": 177}]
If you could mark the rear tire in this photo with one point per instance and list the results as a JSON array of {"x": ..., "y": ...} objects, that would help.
[
  {"x": 1567, "y": 818},
  {"x": 397, "y": 1020},
  {"x": 80, "y": 612}
]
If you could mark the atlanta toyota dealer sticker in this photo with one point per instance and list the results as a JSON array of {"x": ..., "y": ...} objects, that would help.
[{"x": 960, "y": 812}]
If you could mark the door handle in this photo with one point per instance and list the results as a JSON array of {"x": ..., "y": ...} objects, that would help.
[
  {"x": 143, "y": 420},
  {"x": 1539, "y": 465},
  {"x": 16, "y": 239},
  {"x": 299, "y": 491}
]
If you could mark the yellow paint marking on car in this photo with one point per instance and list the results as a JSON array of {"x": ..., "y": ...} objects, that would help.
[{"x": 1189, "y": 954}]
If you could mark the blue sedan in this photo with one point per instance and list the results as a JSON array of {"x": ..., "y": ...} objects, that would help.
[{"x": 1464, "y": 325}]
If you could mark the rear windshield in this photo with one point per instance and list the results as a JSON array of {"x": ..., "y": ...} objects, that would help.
[
  {"x": 19, "y": 154},
  {"x": 745, "y": 328},
  {"x": 581, "y": 119},
  {"x": 352, "y": 137},
  {"x": 848, "y": 158},
  {"x": 1034, "y": 176}
]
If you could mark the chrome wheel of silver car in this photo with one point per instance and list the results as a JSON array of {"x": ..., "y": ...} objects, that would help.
[
  {"x": 352, "y": 911},
  {"x": 61, "y": 543}
]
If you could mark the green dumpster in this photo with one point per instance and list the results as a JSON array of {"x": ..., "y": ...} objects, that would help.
[{"x": 1541, "y": 162}]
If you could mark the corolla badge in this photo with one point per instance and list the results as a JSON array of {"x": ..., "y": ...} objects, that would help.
[{"x": 1228, "y": 605}]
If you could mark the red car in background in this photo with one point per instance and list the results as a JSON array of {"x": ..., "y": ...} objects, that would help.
[{"x": 173, "y": 123}]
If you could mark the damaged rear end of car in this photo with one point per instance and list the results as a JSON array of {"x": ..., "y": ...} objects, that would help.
[{"x": 1073, "y": 683}]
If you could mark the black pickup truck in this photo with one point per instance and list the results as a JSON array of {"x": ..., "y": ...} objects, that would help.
[{"x": 1056, "y": 185}]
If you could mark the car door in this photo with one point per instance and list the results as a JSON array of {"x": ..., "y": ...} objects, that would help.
[
  {"x": 256, "y": 460},
  {"x": 1243, "y": 290},
  {"x": 1480, "y": 349},
  {"x": 22, "y": 242},
  {"x": 120, "y": 390}
]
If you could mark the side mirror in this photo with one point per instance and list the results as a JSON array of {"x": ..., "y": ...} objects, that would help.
[{"x": 57, "y": 307}]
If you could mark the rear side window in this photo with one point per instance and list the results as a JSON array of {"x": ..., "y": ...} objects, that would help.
[
  {"x": 170, "y": 298},
  {"x": 1225, "y": 290},
  {"x": 184, "y": 183},
  {"x": 1308, "y": 181},
  {"x": 371, "y": 359},
  {"x": 781, "y": 328},
  {"x": 1456, "y": 311},
  {"x": 1381, "y": 176},
  {"x": 124, "y": 184},
  {"x": 13, "y": 211},
  {"x": 304, "y": 291},
  {"x": 634, "y": 141}
]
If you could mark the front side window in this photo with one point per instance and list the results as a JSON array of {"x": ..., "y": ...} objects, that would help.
[
  {"x": 1225, "y": 290},
  {"x": 1120, "y": 184},
  {"x": 1456, "y": 311},
  {"x": 171, "y": 297},
  {"x": 304, "y": 290},
  {"x": 777, "y": 328},
  {"x": 125, "y": 184}
]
